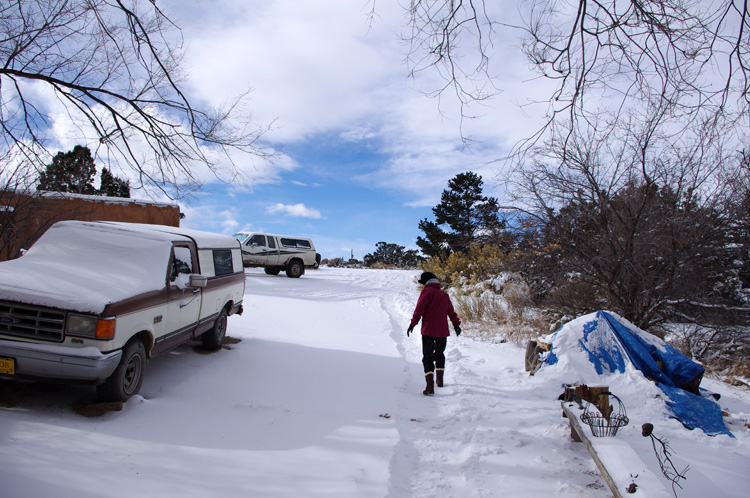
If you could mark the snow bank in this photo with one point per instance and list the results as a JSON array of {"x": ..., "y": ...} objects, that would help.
[{"x": 322, "y": 398}]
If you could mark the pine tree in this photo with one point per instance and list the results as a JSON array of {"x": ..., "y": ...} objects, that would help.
[
  {"x": 394, "y": 255},
  {"x": 468, "y": 215},
  {"x": 113, "y": 186},
  {"x": 70, "y": 172}
]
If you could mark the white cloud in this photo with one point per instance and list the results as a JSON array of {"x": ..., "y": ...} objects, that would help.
[
  {"x": 209, "y": 218},
  {"x": 312, "y": 65},
  {"x": 229, "y": 224},
  {"x": 294, "y": 210},
  {"x": 318, "y": 68},
  {"x": 301, "y": 184},
  {"x": 358, "y": 134}
]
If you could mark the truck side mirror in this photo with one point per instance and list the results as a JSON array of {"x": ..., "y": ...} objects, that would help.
[{"x": 198, "y": 281}]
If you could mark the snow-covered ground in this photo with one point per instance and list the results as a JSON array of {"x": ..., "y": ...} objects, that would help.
[{"x": 322, "y": 397}]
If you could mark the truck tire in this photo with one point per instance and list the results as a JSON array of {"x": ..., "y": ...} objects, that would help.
[
  {"x": 295, "y": 269},
  {"x": 272, "y": 271},
  {"x": 214, "y": 338},
  {"x": 127, "y": 378}
]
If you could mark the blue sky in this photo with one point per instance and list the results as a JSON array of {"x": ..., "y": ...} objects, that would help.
[
  {"x": 363, "y": 154},
  {"x": 325, "y": 198}
]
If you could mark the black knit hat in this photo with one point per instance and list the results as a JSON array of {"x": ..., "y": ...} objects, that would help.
[{"x": 426, "y": 277}]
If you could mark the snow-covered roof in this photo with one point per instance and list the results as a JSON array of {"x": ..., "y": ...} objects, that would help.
[
  {"x": 48, "y": 194},
  {"x": 201, "y": 238}
]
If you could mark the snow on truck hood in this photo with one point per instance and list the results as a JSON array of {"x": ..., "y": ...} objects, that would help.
[{"x": 84, "y": 267}]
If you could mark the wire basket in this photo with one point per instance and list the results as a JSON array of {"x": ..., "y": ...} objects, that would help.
[{"x": 602, "y": 426}]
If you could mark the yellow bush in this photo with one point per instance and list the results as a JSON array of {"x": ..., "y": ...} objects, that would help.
[
  {"x": 474, "y": 267},
  {"x": 493, "y": 303}
]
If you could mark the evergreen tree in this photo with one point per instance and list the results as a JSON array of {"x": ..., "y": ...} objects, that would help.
[
  {"x": 468, "y": 215},
  {"x": 435, "y": 242},
  {"x": 393, "y": 254},
  {"x": 113, "y": 186},
  {"x": 70, "y": 172},
  {"x": 74, "y": 172}
]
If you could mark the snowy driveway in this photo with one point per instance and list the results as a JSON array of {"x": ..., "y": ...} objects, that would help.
[{"x": 322, "y": 397}]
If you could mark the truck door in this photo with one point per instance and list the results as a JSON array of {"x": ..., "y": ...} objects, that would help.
[
  {"x": 273, "y": 256},
  {"x": 184, "y": 304},
  {"x": 258, "y": 252}
]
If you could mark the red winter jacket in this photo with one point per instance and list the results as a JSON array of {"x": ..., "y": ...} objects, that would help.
[{"x": 433, "y": 306}]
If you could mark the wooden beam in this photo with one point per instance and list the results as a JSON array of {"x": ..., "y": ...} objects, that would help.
[
  {"x": 575, "y": 424},
  {"x": 619, "y": 465}
]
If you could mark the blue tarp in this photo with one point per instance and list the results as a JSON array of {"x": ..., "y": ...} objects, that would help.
[
  {"x": 610, "y": 341},
  {"x": 663, "y": 364},
  {"x": 695, "y": 412}
]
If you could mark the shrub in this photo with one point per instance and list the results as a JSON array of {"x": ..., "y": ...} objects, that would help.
[
  {"x": 494, "y": 303},
  {"x": 723, "y": 350},
  {"x": 477, "y": 265}
]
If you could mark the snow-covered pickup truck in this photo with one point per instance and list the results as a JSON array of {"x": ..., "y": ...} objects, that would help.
[
  {"x": 276, "y": 253},
  {"x": 90, "y": 302}
]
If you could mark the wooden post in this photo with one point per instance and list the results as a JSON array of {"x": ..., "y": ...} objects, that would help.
[
  {"x": 601, "y": 400},
  {"x": 592, "y": 394}
]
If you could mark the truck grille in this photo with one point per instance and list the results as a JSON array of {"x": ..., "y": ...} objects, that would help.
[{"x": 20, "y": 320}]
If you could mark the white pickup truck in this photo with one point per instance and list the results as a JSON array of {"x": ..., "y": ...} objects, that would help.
[
  {"x": 90, "y": 302},
  {"x": 276, "y": 253}
]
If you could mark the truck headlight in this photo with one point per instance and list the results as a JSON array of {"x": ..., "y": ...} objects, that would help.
[{"x": 90, "y": 326}]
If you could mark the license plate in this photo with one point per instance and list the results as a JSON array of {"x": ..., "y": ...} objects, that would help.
[{"x": 7, "y": 366}]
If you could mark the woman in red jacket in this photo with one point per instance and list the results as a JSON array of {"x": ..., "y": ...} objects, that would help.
[{"x": 433, "y": 306}]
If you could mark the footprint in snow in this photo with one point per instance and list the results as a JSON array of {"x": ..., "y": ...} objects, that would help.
[{"x": 454, "y": 354}]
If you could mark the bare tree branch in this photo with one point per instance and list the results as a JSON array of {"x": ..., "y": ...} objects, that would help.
[
  {"x": 113, "y": 65},
  {"x": 689, "y": 57}
]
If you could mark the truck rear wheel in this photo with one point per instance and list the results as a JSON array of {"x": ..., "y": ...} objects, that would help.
[
  {"x": 214, "y": 338},
  {"x": 295, "y": 269},
  {"x": 127, "y": 378}
]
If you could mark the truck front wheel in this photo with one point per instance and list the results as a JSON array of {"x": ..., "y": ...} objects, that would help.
[
  {"x": 295, "y": 269},
  {"x": 127, "y": 378}
]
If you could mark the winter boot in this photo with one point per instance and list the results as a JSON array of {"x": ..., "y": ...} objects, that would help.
[
  {"x": 430, "y": 389},
  {"x": 439, "y": 377}
]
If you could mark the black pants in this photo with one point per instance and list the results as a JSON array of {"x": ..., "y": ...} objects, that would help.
[{"x": 433, "y": 352}]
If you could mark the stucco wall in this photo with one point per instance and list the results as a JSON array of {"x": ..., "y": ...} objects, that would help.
[{"x": 24, "y": 218}]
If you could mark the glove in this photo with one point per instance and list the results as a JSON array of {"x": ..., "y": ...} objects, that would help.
[
  {"x": 409, "y": 330},
  {"x": 457, "y": 328}
]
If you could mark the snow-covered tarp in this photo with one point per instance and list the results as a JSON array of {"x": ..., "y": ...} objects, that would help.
[{"x": 604, "y": 343}]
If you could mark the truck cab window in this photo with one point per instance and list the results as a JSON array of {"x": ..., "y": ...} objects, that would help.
[{"x": 259, "y": 240}]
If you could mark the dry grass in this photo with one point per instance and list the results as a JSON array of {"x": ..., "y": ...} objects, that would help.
[{"x": 498, "y": 317}]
